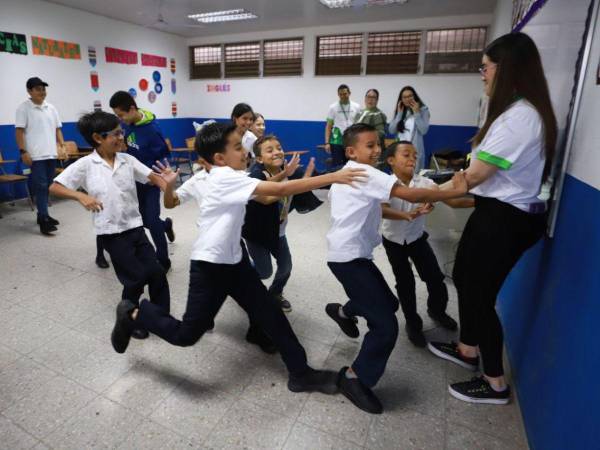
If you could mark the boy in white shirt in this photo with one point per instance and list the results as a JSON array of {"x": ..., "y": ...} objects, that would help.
[
  {"x": 354, "y": 233},
  {"x": 109, "y": 176},
  {"x": 221, "y": 267},
  {"x": 404, "y": 237}
]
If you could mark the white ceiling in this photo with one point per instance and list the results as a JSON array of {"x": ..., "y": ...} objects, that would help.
[{"x": 272, "y": 14}]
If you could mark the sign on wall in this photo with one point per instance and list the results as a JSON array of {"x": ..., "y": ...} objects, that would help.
[
  {"x": 13, "y": 43},
  {"x": 58, "y": 49},
  {"x": 153, "y": 60},
  {"x": 218, "y": 88},
  {"x": 119, "y": 56}
]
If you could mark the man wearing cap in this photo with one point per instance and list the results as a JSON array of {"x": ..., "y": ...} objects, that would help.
[{"x": 38, "y": 134}]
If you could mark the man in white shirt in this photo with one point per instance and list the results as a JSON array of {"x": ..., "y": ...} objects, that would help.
[
  {"x": 38, "y": 131},
  {"x": 340, "y": 116}
]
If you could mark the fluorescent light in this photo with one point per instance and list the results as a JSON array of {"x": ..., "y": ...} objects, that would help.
[
  {"x": 358, "y": 3},
  {"x": 223, "y": 16}
]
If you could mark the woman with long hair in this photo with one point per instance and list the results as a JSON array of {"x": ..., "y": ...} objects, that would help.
[
  {"x": 411, "y": 122},
  {"x": 242, "y": 116},
  {"x": 511, "y": 158}
]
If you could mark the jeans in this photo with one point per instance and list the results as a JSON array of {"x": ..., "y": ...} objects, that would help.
[
  {"x": 263, "y": 265},
  {"x": 42, "y": 174}
]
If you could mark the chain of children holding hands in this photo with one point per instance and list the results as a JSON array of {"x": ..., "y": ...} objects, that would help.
[{"x": 511, "y": 156}]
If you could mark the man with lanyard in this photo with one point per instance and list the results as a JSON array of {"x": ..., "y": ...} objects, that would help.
[{"x": 341, "y": 116}]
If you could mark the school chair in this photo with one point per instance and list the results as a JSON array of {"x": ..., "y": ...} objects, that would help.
[
  {"x": 10, "y": 180},
  {"x": 176, "y": 161}
]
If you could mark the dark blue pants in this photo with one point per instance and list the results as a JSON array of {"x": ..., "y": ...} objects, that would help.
[
  {"x": 338, "y": 156},
  {"x": 261, "y": 256},
  {"x": 210, "y": 284},
  {"x": 369, "y": 297},
  {"x": 429, "y": 271},
  {"x": 149, "y": 200},
  {"x": 135, "y": 263},
  {"x": 42, "y": 174}
]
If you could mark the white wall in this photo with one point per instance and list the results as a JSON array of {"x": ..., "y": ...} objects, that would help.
[
  {"x": 502, "y": 19},
  {"x": 453, "y": 99},
  {"x": 70, "y": 90}
]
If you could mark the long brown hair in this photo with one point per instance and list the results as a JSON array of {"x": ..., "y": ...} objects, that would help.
[{"x": 520, "y": 74}]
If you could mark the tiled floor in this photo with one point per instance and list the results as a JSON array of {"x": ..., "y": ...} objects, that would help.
[{"x": 62, "y": 386}]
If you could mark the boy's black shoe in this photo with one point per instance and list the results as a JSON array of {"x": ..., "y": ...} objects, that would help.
[
  {"x": 478, "y": 390},
  {"x": 414, "y": 331},
  {"x": 286, "y": 306},
  {"x": 46, "y": 227},
  {"x": 102, "y": 262},
  {"x": 450, "y": 352},
  {"x": 359, "y": 394},
  {"x": 348, "y": 326},
  {"x": 324, "y": 381},
  {"x": 443, "y": 320},
  {"x": 121, "y": 333},
  {"x": 140, "y": 333},
  {"x": 52, "y": 221},
  {"x": 166, "y": 265},
  {"x": 258, "y": 337},
  {"x": 169, "y": 229}
]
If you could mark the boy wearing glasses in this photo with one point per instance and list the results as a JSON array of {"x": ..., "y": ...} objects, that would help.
[{"x": 109, "y": 178}]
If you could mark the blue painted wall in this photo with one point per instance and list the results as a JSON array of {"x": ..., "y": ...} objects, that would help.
[
  {"x": 550, "y": 309},
  {"x": 294, "y": 135}
]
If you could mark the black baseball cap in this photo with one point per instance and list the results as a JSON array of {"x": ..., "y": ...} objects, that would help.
[{"x": 35, "y": 81}]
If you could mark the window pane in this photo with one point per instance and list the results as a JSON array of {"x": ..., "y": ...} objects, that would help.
[
  {"x": 339, "y": 55},
  {"x": 283, "y": 57},
  {"x": 205, "y": 61},
  {"x": 393, "y": 52},
  {"x": 454, "y": 51},
  {"x": 242, "y": 59}
]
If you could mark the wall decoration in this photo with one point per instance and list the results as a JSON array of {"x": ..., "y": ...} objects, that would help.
[
  {"x": 156, "y": 76},
  {"x": 153, "y": 60},
  {"x": 132, "y": 92},
  {"x": 173, "y": 65},
  {"x": 218, "y": 87},
  {"x": 523, "y": 11},
  {"x": 97, "y": 105},
  {"x": 92, "y": 55},
  {"x": 143, "y": 84},
  {"x": 174, "y": 109},
  {"x": 173, "y": 86},
  {"x": 50, "y": 47},
  {"x": 151, "y": 96},
  {"x": 116, "y": 55},
  {"x": 94, "y": 80},
  {"x": 13, "y": 43},
  {"x": 158, "y": 88}
]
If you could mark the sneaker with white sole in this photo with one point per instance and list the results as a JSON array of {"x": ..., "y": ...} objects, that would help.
[
  {"x": 478, "y": 390},
  {"x": 449, "y": 351}
]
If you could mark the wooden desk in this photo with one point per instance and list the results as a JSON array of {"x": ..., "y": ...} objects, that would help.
[
  {"x": 78, "y": 155},
  {"x": 7, "y": 161},
  {"x": 294, "y": 152}
]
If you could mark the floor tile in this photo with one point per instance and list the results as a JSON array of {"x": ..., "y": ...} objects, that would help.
[
  {"x": 410, "y": 430},
  {"x": 14, "y": 438},
  {"x": 303, "y": 437}
]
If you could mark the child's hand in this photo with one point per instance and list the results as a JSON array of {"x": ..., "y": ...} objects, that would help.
[
  {"x": 292, "y": 166},
  {"x": 90, "y": 203},
  {"x": 425, "y": 209},
  {"x": 166, "y": 172},
  {"x": 349, "y": 176},
  {"x": 310, "y": 168},
  {"x": 459, "y": 182}
]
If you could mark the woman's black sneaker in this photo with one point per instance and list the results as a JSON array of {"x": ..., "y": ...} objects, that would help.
[
  {"x": 450, "y": 352},
  {"x": 324, "y": 381},
  {"x": 478, "y": 390},
  {"x": 359, "y": 394},
  {"x": 443, "y": 320},
  {"x": 348, "y": 326}
]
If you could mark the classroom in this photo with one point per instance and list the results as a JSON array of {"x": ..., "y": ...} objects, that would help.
[{"x": 435, "y": 287}]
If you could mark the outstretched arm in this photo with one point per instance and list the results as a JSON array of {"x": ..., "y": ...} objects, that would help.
[
  {"x": 457, "y": 187},
  {"x": 87, "y": 201}
]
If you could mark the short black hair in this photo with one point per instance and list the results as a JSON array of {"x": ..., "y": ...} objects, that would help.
[
  {"x": 122, "y": 100},
  {"x": 212, "y": 139},
  {"x": 353, "y": 131},
  {"x": 96, "y": 122},
  {"x": 391, "y": 149},
  {"x": 260, "y": 141},
  {"x": 343, "y": 86},
  {"x": 240, "y": 109}
]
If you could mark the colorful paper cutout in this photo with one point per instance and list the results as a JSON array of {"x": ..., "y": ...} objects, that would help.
[
  {"x": 94, "y": 80},
  {"x": 173, "y": 65},
  {"x": 97, "y": 105},
  {"x": 153, "y": 60},
  {"x": 92, "y": 56},
  {"x": 158, "y": 88},
  {"x": 173, "y": 86},
  {"x": 156, "y": 76},
  {"x": 174, "y": 109},
  {"x": 13, "y": 43},
  {"x": 119, "y": 56},
  {"x": 151, "y": 96},
  {"x": 218, "y": 87},
  {"x": 143, "y": 84},
  {"x": 132, "y": 92},
  {"x": 51, "y": 47}
]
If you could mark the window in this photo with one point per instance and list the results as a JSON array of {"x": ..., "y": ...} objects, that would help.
[
  {"x": 205, "y": 61},
  {"x": 242, "y": 59},
  {"x": 283, "y": 57},
  {"x": 339, "y": 55},
  {"x": 393, "y": 52},
  {"x": 454, "y": 51}
]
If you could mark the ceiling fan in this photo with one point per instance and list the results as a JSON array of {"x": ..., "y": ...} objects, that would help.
[{"x": 163, "y": 24}]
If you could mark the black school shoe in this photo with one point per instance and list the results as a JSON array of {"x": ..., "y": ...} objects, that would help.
[
  {"x": 51, "y": 220},
  {"x": 359, "y": 394},
  {"x": 348, "y": 326},
  {"x": 443, "y": 320},
  {"x": 140, "y": 333},
  {"x": 258, "y": 337},
  {"x": 121, "y": 333},
  {"x": 46, "y": 226},
  {"x": 450, "y": 352},
  {"x": 102, "y": 262},
  {"x": 169, "y": 229},
  {"x": 324, "y": 381},
  {"x": 478, "y": 390},
  {"x": 414, "y": 331}
]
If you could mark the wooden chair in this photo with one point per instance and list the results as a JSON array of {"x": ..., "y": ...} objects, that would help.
[
  {"x": 10, "y": 180},
  {"x": 190, "y": 142},
  {"x": 71, "y": 152},
  {"x": 176, "y": 160}
]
